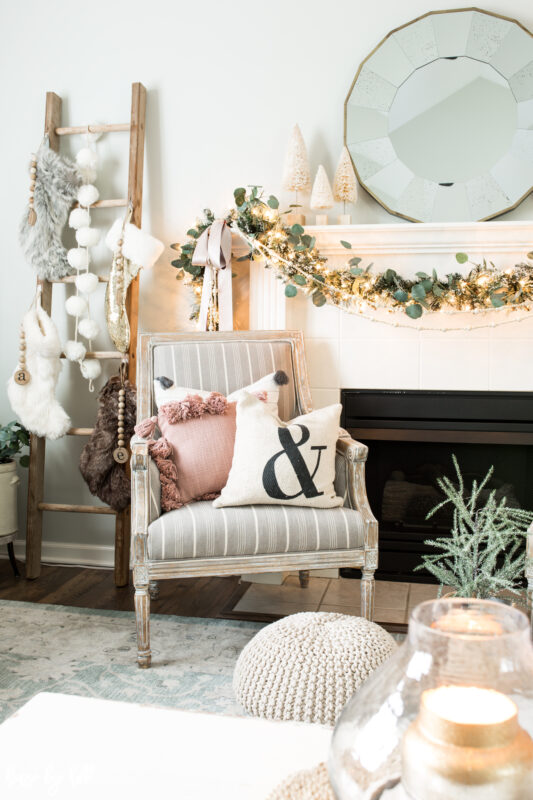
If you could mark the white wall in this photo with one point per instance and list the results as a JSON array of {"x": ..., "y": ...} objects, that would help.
[{"x": 226, "y": 81}]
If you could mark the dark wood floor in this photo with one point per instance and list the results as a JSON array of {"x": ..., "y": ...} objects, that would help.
[{"x": 95, "y": 588}]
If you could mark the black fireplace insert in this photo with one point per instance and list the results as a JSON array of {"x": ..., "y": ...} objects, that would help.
[{"x": 411, "y": 437}]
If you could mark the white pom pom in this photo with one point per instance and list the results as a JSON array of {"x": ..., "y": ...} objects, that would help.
[
  {"x": 87, "y": 195},
  {"x": 79, "y": 217},
  {"x": 87, "y": 282},
  {"x": 75, "y": 351},
  {"x": 78, "y": 258},
  {"x": 91, "y": 368},
  {"x": 88, "y": 328},
  {"x": 86, "y": 158},
  {"x": 76, "y": 306},
  {"x": 87, "y": 237}
]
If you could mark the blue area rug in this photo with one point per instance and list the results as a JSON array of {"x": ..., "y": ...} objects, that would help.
[{"x": 93, "y": 653}]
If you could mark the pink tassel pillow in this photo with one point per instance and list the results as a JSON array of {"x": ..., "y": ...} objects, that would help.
[{"x": 195, "y": 450}]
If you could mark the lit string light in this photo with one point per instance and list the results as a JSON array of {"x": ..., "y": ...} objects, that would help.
[{"x": 363, "y": 293}]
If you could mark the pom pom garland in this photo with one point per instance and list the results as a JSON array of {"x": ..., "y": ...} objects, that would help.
[
  {"x": 87, "y": 282},
  {"x": 87, "y": 175},
  {"x": 87, "y": 237},
  {"x": 86, "y": 158},
  {"x": 78, "y": 258},
  {"x": 88, "y": 195},
  {"x": 75, "y": 351},
  {"x": 79, "y": 218},
  {"x": 88, "y": 328},
  {"x": 76, "y": 306}
]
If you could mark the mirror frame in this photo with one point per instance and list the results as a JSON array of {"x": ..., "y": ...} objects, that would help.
[{"x": 358, "y": 73}]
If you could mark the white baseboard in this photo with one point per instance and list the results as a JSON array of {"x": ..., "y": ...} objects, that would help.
[{"x": 92, "y": 555}]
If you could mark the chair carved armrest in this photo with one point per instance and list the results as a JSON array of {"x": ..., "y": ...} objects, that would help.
[
  {"x": 529, "y": 569},
  {"x": 355, "y": 454}
]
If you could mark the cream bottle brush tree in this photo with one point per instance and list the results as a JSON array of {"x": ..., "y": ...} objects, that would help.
[
  {"x": 345, "y": 185},
  {"x": 296, "y": 174},
  {"x": 321, "y": 196}
]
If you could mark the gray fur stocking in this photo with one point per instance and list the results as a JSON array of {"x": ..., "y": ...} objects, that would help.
[{"x": 56, "y": 185}]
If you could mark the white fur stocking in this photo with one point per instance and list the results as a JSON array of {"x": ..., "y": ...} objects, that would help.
[{"x": 35, "y": 403}]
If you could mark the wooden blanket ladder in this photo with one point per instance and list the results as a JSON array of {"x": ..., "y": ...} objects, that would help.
[{"x": 36, "y": 506}]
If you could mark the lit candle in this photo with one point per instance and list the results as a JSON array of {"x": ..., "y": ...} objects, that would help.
[
  {"x": 461, "y": 621},
  {"x": 466, "y": 744}
]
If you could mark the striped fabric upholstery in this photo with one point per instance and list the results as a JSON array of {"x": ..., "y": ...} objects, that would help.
[
  {"x": 200, "y": 531},
  {"x": 341, "y": 479},
  {"x": 227, "y": 366}
]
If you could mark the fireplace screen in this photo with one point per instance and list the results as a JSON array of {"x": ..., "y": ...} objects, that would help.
[{"x": 411, "y": 438}]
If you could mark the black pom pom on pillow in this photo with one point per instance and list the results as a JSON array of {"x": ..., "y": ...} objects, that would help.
[{"x": 280, "y": 377}]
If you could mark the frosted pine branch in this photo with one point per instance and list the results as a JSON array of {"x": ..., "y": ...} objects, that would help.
[{"x": 484, "y": 554}]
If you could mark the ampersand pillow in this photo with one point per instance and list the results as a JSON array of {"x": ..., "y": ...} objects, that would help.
[{"x": 283, "y": 463}]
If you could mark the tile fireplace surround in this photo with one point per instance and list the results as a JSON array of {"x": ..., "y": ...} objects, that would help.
[{"x": 344, "y": 350}]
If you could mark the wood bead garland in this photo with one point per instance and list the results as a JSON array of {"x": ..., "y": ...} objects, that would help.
[
  {"x": 21, "y": 375},
  {"x": 120, "y": 454},
  {"x": 32, "y": 216}
]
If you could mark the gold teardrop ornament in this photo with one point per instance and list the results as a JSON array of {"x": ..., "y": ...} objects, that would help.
[{"x": 121, "y": 275}]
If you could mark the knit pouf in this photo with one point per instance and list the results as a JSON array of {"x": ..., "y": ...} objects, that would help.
[
  {"x": 305, "y": 667},
  {"x": 309, "y": 784}
]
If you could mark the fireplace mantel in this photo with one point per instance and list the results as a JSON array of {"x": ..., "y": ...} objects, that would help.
[
  {"x": 475, "y": 238},
  {"x": 406, "y": 247}
]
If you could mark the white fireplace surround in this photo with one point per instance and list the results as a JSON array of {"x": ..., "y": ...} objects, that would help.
[{"x": 345, "y": 350}]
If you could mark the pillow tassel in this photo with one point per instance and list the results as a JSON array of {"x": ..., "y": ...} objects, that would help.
[
  {"x": 146, "y": 427},
  {"x": 161, "y": 452}
]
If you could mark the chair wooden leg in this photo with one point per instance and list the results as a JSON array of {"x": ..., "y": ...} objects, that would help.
[
  {"x": 367, "y": 594},
  {"x": 303, "y": 574},
  {"x": 153, "y": 588},
  {"x": 142, "y": 616}
]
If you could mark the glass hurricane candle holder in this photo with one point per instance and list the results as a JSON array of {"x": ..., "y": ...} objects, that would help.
[{"x": 449, "y": 716}]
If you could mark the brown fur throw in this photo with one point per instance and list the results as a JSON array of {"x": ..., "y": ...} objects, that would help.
[{"x": 105, "y": 478}]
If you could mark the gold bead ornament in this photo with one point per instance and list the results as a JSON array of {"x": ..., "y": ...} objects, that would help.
[
  {"x": 21, "y": 375},
  {"x": 120, "y": 454},
  {"x": 32, "y": 216}
]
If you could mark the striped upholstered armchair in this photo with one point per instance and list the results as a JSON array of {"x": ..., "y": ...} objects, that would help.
[{"x": 201, "y": 540}]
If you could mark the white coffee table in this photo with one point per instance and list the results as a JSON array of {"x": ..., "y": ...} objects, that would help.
[{"x": 63, "y": 746}]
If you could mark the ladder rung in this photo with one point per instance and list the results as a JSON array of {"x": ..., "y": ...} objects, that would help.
[
  {"x": 103, "y": 354},
  {"x": 72, "y": 279},
  {"x": 68, "y": 131},
  {"x": 79, "y": 431},
  {"x": 121, "y": 202},
  {"x": 75, "y": 508}
]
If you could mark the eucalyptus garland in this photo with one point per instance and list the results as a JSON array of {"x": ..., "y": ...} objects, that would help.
[{"x": 293, "y": 254}]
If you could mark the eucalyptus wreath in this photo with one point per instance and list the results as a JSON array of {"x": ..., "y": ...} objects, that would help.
[{"x": 293, "y": 254}]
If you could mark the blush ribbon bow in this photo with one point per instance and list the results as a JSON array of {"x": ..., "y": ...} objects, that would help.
[{"x": 213, "y": 251}]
